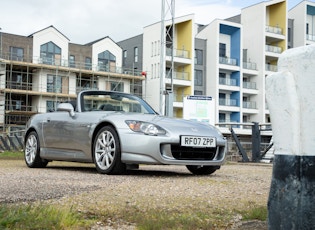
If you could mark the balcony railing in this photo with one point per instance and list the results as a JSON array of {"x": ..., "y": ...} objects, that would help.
[
  {"x": 272, "y": 29},
  {"x": 177, "y": 53},
  {"x": 66, "y": 63},
  {"x": 179, "y": 97},
  {"x": 225, "y": 81},
  {"x": 272, "y": 68},
  {"x": 250, "y": 65},
  {"x": 273, "y": 49},
  {"x": 227, "y": 61},
  {"x": 249, "y": 85},
  {"x": 228, "y": 125},
  {"x": 249, "y": 104},
  {"x": 228, "y": 102},
  {"x": 179, "y": 76},
  {"x": 310, "y": 37}
]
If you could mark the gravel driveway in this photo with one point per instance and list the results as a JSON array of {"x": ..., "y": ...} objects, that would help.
[{"x": 233, "y": 185}]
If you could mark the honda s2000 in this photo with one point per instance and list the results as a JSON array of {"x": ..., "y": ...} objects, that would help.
[{"x": 117, "y": 131}]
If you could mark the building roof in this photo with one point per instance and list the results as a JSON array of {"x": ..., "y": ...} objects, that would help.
[{"x": 51, "y": 26}]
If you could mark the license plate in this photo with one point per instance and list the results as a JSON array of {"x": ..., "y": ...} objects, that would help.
[{"x": 197, "y": 141}]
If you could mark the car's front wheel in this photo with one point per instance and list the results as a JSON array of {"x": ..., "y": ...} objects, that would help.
[
  {"x": 106, "y": 152},
  {"x": 202, "y": 170},
  {"x": 32, "y": 152}
]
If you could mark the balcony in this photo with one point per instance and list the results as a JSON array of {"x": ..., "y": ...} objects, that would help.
[
  {"x": 249, "y": 105},
  {"x": 272, "y": 68},
  {"x": 310, "y": 37},
  {"x": 179, "y": 76},
  {"x": 228, "y": 102},
  {"x": 177, "y": 53},
  {"x": 229, "y": 82},
  {"x": 228, "y": 61},
  {"x": 66, "y": 63},
  {"x": 249, "y": 85},
  {"x": 179, "y": 97},
  {"x": 250, "y": 65},
  {"x": 274, "y": 30},
  {"x": 273, "y": 49}
]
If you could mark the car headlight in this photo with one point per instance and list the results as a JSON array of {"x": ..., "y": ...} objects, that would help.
[{"x": 145, "y": 127}]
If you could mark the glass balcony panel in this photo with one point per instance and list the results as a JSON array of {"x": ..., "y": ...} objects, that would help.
[
  {"x": 226, "y": 81},
  {"x": 227, "y": 61},
  {"x": 249, "y": 85},
  {"x": 227, "y": 102},
  {"x": 272, "y": 29},
  {"x": 249, "y": 65}
]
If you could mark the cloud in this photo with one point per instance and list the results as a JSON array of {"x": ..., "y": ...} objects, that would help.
[
  {"x": 206, "y": 11},
  {"x": 84, "y": 21}
]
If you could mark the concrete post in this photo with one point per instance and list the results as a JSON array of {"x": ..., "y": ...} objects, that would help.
[{"x": 290, "y": 95}]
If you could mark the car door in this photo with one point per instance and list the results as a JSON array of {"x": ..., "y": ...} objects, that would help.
[{"x": 66, "y": 136}]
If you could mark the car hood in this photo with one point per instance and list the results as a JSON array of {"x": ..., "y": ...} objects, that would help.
[
  {"x": 192, "y": 127},
  {"x": 175, "y": 125}
]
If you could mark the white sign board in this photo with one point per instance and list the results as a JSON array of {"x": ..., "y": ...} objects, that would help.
[{"x": 199, "y": 108}]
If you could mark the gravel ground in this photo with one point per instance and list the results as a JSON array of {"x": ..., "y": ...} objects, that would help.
[{"x": 233, "y": 186}]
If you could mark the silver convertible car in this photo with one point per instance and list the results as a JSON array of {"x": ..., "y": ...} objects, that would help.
[{"x": 117, "y": 131}]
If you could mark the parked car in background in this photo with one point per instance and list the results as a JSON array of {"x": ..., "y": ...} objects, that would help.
[{"x": 117, "y": 131}]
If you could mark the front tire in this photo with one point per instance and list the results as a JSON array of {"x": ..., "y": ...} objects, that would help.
[
  {"x": 202, "y": 170},
  {"x": 32, "y": 152},
  {"x": 107, "y": 153}
]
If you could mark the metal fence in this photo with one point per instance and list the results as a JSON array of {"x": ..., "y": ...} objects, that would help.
[{"x": 11, "y": 142}]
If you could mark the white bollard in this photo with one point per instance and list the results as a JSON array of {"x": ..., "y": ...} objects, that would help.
[{"x": 290, "y": 95}]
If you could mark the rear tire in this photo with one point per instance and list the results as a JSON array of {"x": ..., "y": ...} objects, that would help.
[
  {"x": 202, "y": 170},
  {"x": 107, "y": 153},
  {"x": 32, "y": 152}
]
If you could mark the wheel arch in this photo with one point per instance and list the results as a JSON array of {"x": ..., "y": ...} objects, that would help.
[
  {"x": 28, "y": 132},
  {"x": 97, "y": 128}
]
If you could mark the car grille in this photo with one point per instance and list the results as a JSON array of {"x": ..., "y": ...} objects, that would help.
[{"x": 189, "y": 153}]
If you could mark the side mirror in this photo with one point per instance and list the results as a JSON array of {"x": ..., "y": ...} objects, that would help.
[{"x": 67, "y": 107}]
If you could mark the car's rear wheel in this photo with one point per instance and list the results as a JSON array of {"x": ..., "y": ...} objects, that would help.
[
  {"x": 32, "y": 152},
  {"x": 107, "y": 153},
  {"x": 202, "y": 170}
]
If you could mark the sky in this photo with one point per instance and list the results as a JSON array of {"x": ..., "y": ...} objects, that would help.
[{"x": 84, "y": 21}]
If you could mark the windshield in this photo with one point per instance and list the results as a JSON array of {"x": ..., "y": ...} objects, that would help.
[{"x": 113, "y": 101}]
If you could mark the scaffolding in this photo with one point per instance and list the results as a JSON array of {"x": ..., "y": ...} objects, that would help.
[{"x": 27, "y": 88}]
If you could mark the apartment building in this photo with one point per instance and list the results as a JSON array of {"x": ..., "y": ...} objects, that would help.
[
  {"x": 227, "y": 60},
  {"x": 303, "y": 28},
  {"x": 41, "y": 70},
  {"x": 177, "y": 79},
  {"x": 265, "y": 38},
  {"x": 224, "y": 68}
]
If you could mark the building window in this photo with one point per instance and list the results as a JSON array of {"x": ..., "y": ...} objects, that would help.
[
  {"x": 198, "y": 78},
  {"x": 106, "y": 61},
  {"x": 88, "y": 63},
  {"x": 117, "y": 86},
  {"x": 50, "y": 54},
  {"x": 222, "y": 117},
  {"x": 307, "y": 28},
  {"x": 51, "y": 106},
  {"x": 124, "y": 57},
  {"x": 222, "y": 79},
  {"x": 222, "y": 50},
  {"x": 16, "y": 53},
  {"x": 136, "y": 54},
  {"x": 54, "y": 84},
  {"x": 198, "y": 57},
  {"x": 72, "y": 61}
]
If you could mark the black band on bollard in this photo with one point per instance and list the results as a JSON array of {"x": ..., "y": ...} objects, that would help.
[{"x": 291, "y": 203}]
